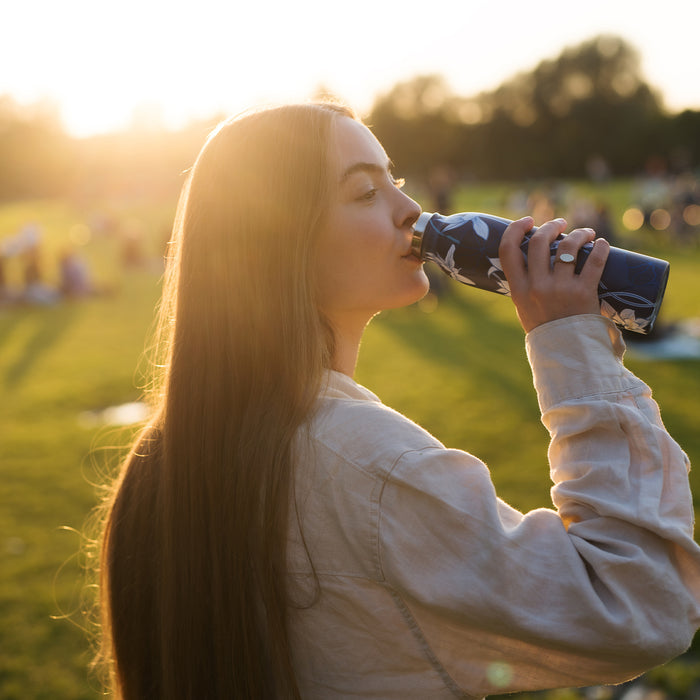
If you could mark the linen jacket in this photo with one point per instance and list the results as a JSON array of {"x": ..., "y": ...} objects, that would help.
[{"x": 425, "y": 584}]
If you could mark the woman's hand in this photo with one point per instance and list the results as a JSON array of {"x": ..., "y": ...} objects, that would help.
[{"x": 544, "y": 292}]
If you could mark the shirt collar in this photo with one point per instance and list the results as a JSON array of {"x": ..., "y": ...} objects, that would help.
[{"x": 339, "y": 386}]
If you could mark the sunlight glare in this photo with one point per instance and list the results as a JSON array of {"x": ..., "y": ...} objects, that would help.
[{"x": 103, "y": 62}]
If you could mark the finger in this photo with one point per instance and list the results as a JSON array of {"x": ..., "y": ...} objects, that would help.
[
  {"x": 509, "y": 252},
  {"x": 593, "y": 268},
  {"x": 538, "y": 251},
  {"x": 569, "y": 248}
]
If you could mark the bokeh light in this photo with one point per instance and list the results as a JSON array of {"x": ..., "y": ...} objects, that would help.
[
  {"x": 633, "y": 219},
  {"x": 500, "y": 674},
  {"x": 660, "y": 219},
  {"x": 691, "y": 215}
]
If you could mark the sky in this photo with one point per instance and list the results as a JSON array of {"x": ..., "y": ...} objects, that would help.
[{"x": 103, "y": 63}]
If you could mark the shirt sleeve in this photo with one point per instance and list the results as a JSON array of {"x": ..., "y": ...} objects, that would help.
[{"x": 596, "y": 591}]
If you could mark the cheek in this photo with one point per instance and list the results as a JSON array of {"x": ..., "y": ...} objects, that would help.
[
  {"x": 335, "y": 261},
  {"x": 342, "y": 272},
  {"x": 346, "y": 251}
]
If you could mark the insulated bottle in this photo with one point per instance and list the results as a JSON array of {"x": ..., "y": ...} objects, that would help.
[{"x": 465, "y": 247}]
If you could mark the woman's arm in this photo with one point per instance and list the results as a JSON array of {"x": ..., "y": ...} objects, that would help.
[
  {"x": 598, "y": 591},
  {"x": 601, "y": 589}
]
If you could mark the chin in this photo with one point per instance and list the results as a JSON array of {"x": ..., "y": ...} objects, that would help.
[
  {"x": 419, "y": 289},
  {"x": 423, "y": 284}
]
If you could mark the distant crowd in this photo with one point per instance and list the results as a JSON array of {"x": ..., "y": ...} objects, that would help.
[
  {"x": 35, "y": 274},
  {"x": 25, "y": 248},
  {"x": 662, "y": 204}
]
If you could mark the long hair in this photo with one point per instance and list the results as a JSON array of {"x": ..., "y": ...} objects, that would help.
[{"x": 193, "y": 564}]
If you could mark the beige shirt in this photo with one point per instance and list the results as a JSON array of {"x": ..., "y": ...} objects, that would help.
[{"x": 427, "y": 585}]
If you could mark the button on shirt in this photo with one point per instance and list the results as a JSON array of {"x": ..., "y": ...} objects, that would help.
[{"x": 412, "y": 579}]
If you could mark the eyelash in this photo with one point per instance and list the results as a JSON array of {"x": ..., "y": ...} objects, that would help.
[
  {"x": 396, "y": 182},
  {"x": 369, "y": 195}
]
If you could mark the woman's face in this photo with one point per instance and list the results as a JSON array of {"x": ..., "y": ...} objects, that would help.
[{"x": 364, "y": 248}]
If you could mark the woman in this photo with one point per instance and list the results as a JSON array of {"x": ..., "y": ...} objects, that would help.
[{"x": 277, "y": 532}]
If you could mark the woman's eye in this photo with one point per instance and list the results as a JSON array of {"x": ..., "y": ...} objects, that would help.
[{"x": 369, "y": 195}]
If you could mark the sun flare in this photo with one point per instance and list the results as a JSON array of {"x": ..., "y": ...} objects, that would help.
[{"x": 107, "y": 66}]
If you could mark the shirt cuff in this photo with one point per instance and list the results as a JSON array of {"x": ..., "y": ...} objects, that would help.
[{"x": 576, "y": 357}]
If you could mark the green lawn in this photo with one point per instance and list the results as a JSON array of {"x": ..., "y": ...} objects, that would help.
[{"x": 458, "y": 369}]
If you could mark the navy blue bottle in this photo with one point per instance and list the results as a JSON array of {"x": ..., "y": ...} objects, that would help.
[{"x": 465, "y": 246}]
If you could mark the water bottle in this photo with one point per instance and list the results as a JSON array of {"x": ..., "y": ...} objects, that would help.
[{"x": 465, "y": 247}]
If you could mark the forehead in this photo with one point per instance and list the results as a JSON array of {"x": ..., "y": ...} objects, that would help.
[{"x": 354, "y": 143}]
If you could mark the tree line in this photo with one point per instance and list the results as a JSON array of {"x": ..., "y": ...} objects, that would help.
[
  {"x": 588, "y": 111},
  {"x": 589, "y": 106}
]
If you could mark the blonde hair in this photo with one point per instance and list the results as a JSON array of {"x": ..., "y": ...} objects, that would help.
[{"x": 194, "y": 548}]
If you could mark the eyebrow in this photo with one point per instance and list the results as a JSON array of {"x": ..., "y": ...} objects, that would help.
[{"x": 366, "y": 168}]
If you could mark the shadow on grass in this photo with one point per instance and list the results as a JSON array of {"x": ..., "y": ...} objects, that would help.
[
  {"x": 47, "y": 325},
  {"x": 463, "y": 335}
]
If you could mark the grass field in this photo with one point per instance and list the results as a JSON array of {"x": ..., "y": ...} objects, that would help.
[{"x": 459, "y": 369}]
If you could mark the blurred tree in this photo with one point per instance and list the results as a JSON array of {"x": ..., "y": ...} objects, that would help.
[
  {"x": 681, "y": 140},
  {"x": 591, "y": 101},
  {"x": 589, "y": 110},
  {"x": 138, "y": 164},
  {"x": 417, "y": 124},
  {"x": 35, "y": 153}
]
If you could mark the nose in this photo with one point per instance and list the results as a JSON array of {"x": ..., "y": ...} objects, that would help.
[{"x": 407, "y": 211}]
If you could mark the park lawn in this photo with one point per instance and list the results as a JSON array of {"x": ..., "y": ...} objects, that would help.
[
  {"x": 458, "y": 368},
  {"x": 57, "y": 364}
]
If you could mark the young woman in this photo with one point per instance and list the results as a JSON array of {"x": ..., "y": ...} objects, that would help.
[{"x": 277, "y": 532}]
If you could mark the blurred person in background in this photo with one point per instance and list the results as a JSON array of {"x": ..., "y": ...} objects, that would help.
[
  {"x": 75, "y": 282},
  {"x": 278, "y": 532}
]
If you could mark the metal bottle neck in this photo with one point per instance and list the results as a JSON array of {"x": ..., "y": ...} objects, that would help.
[{"x": 418, "y": 231}]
